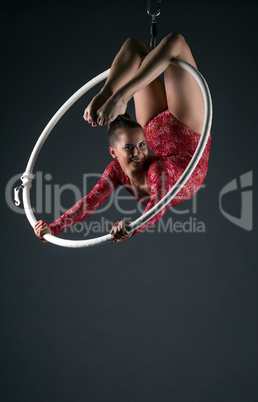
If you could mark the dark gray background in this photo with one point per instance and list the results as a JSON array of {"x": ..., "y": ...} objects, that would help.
[{"x": 161, "y": 317}]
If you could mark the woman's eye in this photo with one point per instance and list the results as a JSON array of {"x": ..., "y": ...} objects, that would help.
[{"x": 142, "y": 144}]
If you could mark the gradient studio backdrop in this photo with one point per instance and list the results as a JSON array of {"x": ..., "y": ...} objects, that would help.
[{"x": 163, "y": 316}]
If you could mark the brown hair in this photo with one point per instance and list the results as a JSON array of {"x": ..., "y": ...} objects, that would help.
[{"x": 121, "y": 122}]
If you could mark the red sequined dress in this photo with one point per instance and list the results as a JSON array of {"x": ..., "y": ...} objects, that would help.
[{"x": 173, "y": 144}]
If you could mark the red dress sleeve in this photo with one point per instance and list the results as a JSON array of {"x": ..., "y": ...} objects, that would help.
[
  {"x": 87, "y": 205},
  {"x": 160, "y": 181}
]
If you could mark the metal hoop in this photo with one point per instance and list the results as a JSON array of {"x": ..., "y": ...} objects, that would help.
[{"x": 28, "y": 174}]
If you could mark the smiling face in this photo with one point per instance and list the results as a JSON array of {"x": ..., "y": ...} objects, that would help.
[{"x": 130, "y": 149}]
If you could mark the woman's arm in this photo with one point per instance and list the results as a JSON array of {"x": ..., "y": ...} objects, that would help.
[
  {"x": 90, "y": 203},
  {"x": 160, "y": 179},
  {"x": 84, "y": 207}
]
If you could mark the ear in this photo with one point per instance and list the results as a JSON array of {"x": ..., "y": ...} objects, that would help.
[{"x": 112, "y": 152}]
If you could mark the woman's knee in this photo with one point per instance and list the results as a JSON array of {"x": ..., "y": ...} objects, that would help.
[
  {"x": 174, "y": 36},
  {"x": 173, "y": 44},
  {"x": 136, "y": 45}
]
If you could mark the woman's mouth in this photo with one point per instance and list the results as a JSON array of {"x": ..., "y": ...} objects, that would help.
[{"x": 136, "y": 160}]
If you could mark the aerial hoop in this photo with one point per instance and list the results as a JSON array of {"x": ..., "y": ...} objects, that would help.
[{"x": 28, "y": 174}]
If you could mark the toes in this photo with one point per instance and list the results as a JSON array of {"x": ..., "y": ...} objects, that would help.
[{"x": 85, "y": 115}]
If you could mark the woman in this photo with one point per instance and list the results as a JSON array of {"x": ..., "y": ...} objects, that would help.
[{"x": 172, "y": 115}]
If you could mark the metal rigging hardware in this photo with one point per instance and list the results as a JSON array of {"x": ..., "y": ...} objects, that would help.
[{"x": 153, "y": 28}]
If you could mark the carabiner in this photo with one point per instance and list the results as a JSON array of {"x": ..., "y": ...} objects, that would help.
[
  {"x": 156, "y": 13},
  {"x": 153, "y": 28}
]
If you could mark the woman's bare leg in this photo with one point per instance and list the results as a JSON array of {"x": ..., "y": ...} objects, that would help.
[
  {"x": 148, "y": 102},
  {"x": 123, "y": 68},
  {"x": 183, "y": 94}
]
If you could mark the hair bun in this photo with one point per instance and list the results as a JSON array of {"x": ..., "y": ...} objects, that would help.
[
  {"x": 123, "y": 122},
  {"x": 120, "y": 117},
  {"x": 124, "y": 116}
]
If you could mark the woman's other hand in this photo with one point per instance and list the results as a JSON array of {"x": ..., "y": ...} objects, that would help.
[
  {"x": 40, "y": 229},
  {"x": 119, "y": 231}
]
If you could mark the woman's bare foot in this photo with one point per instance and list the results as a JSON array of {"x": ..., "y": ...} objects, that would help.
[
  {"x": 116, "y": 105},
  {"x": 96, "y": 103}
]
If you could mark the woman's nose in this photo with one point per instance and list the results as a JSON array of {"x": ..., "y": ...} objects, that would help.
[{"x": 136, "y": 151}]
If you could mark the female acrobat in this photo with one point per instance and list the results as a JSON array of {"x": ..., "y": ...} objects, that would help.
[{"x": 169, "y": 120}]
